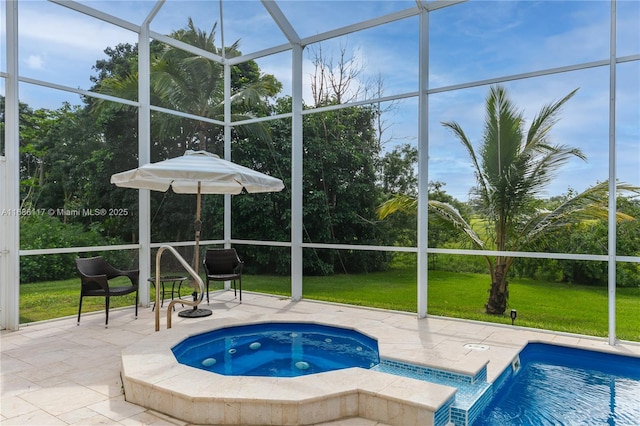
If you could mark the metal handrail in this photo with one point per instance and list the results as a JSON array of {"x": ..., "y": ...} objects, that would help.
[{"x": 191, "y": 272}]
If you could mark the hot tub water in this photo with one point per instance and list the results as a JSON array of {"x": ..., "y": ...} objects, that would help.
[{"x": 278, "y": 350}]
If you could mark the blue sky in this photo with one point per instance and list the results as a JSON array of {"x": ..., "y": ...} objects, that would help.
[{"x": 470, "y": 42}]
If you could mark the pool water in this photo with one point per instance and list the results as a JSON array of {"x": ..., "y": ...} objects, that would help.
[
  {"x": 277, "y": 350},
  {"x": 565, "y": 386}
]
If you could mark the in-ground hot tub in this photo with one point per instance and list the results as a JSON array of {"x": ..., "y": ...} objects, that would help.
[
  {"x": 154, "y": 379},
  {"x": 279, "y": 349}
]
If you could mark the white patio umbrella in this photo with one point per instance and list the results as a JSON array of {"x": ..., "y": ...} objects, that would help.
[
  {"x": 197, "y": 168},
  {"x": 197, "y": 172}
]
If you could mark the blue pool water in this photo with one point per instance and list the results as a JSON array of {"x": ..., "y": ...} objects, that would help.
[
  {"x": 277, "y": 350},
  {"x": 565, "y": 386}
]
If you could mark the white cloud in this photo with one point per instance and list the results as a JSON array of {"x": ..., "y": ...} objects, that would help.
[
  {"x": 45, "y": 26},
  {"x": 61, "y": 46},
  {"x": 35, "y": 62}
]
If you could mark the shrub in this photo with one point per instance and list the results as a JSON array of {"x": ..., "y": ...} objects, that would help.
[{"x": 42, "y": 232}]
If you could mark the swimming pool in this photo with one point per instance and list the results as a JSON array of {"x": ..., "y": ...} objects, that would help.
[
  {"x": 561, "y": 385},
  {"x": 277, "y": 350}
]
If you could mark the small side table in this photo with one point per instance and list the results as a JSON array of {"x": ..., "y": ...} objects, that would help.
[{"x": 173, "y": 279}]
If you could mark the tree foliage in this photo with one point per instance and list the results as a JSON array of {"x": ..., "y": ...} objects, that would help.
[
  {"x": 72, "y": 152},
  {"x": 44, "y": 231},
  {"x": 590, "y": 237}
]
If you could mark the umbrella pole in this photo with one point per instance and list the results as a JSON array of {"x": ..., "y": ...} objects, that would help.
[
  {"x": 196, "y": 312},
  {"x": 198, "y": 226}
]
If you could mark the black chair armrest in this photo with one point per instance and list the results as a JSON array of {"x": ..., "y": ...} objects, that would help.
[
  {"x": 206, "y": 270},
  {"x": 133, "y": 275},
  {"x": 113, "y": 272},
  {"x": 101, "y": 280}
]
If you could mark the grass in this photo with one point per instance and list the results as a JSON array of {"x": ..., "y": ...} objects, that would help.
[
  {"x": 545, "y": 305},
  {"x": 56, "y": 299}
]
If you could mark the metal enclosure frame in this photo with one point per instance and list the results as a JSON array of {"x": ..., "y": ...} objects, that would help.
[{"x": 9, "y": 163}]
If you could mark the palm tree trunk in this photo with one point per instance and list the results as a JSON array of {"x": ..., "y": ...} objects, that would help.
[{"x": 499, "y": 292}]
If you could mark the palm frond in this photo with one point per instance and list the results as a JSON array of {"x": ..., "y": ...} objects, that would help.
[
  {"x": 543, "y": 168},
  {"x": 125, "y": 88},
  {"x": 398, "y": 203},
  {"x": 452, "y": 216},
  {"x": 462, "y": 137},
  {"x": 444, "y": 211},
  {"x": 544, "y": 121},
  {"x": 588, "y": 205}
]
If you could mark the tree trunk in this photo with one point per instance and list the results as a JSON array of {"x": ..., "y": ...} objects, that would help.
[{"x": 499, "y": 293}]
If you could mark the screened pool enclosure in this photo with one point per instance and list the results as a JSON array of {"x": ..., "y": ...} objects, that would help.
[{"x": 343, "y": 100}]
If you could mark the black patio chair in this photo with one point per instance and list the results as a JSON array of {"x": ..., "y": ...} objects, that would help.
[
  {"x": 223, "y": 265},
  {"x": 95, "y": 274}
]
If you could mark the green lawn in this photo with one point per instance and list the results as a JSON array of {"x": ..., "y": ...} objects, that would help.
[{"x": 546, "y": 305}]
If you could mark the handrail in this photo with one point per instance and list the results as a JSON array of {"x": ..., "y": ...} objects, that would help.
[{"x": 191, "y": 272}]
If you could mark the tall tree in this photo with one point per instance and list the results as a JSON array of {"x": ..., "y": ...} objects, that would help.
[
  {"x": 189, "y": 83},
  {"x": 397, "y": 170},
  {"x": 512, "y": 166},
  {"x": 340, "y": 193}
]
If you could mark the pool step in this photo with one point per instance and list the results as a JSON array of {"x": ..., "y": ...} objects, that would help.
[{"x": 473, "y": 392}]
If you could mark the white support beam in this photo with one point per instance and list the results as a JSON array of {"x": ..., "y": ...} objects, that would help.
[
  {"x": 78, "y": 91},
  {"x": 439, "y": 4},
  {"x": 296, "y": 174},
  {"x": 281, "y": 21},
  {"x": 154, "y": 11},
  {"x": 612, "y": 179},
  {"x": 144, "y": 157},
  {"x": 227, "y": 154},
  {"x": 186, "y": 47},
  {"x": 10, "y": 183},
  {"x": 186, "y": 115},
  {"x": 86, "y": 10},
  {"x": 423, "y": 164},
  {"x": 521, "y": 76},
  {"x": 371, "y": 23},
  {"x": 259, "y": 54}
]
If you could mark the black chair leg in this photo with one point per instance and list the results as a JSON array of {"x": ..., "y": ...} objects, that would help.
[
  {"x": 79, "y": 308},
  {"x": 106, "y": 322},
  {"x": 240, "y": 282},
  {"x": 136, "y": 304}
]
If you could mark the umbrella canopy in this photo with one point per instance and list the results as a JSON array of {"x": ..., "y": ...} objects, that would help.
[{"x": 183, "y": 174}]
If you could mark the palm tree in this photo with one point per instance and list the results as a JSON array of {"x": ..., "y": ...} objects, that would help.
[
  {"x": 193, "y": 84},
  {"x": 190, "y": 83},
  {"x": 512, "y": 167}
]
